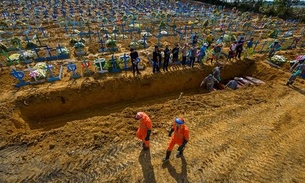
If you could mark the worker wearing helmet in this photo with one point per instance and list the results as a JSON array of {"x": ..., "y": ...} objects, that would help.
[
  {"x": 144, "y": 129},
  {"x": 180, "y": 137}
]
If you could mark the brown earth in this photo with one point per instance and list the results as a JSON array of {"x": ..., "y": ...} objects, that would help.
[
  {"x": 84, "y": 131},
  {"x": 56, "y": 133}
]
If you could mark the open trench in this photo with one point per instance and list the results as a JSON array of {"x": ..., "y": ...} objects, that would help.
[{"x": 54, "y": 108}]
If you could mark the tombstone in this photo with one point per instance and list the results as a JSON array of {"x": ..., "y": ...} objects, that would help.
[
  {"x": 79, "y": 49},
  {"x": 37, "y": 38},
  {"x": 66, "y": 30},
  {"x": 19, "y": 75},
  {"x": 114, "y": 65},
  {"x": 49, "y": 56},
  {"x": 275, "y": 33},
  {"x": 125, "y": 58},
  {"x": 72, "y": 67},
  {"x": 53, "y": 78},
  {"x": 38, "y": 59},
  {"x": 288, "y": 33},
  {"x": 159, "y": 36},
  {"x": 100, "y": 64},
  {"x": 102, "y": 48},
  {"x": 264, "y": 44},
  {"x": 62, "y": 52},
  {"x": 123, "y": 30},
  {"x": 86, "y": 70},
  {"x": 255, "y": 46},
  {"x": 89, "y": 34}
]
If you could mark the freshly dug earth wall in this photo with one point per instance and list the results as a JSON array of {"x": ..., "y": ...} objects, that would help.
[{"x": 99, "y": 93}]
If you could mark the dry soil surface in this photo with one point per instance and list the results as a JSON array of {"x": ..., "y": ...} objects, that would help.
[{"x": 82, "y": 133}]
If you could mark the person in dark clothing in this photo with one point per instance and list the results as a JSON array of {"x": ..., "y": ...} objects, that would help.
[
  {"x": 156, "y": 59},
  {"x": 134, "y": 56},
  {"x": 193, "y": 53},
  {"x": 216, "y": 53},
  {"x": 166, "y": 58},
  {"x": 195, "y": 39},
  {"x": 175, "y": 53},
  {"x": 239, "y": 47}
]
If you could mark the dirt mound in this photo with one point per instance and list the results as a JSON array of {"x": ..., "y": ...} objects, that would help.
[
  {"x": 86, "y": 133},
  {"x": 83, "y": 130}
]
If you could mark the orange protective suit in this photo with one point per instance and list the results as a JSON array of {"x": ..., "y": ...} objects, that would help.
[
  {"x": 144, "y": 126},
  {"x": 180, "y": 134}
]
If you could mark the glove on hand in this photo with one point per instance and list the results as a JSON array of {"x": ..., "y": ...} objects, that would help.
[
  {"x": 170, "y": 132},
  {"x": 180, "y": 148},
  {"x": 148, "y": 135}
]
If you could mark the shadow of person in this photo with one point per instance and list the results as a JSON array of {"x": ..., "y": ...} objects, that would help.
[
  {"x": 297, "y": 89},
  {"x": 179, "y": 177},
  {"x": 147, "y": 168}
]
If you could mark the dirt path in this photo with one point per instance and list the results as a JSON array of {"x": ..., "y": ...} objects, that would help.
[{"x": 253, "y": 134}]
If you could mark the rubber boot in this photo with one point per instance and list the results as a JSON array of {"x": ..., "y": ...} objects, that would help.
[
  {"x": 168, "y": 153},
  {"x": 179, "y": 154}
]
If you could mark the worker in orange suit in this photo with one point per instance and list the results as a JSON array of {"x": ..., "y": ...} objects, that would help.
[
  {"x": 180, "y": 137},
  {"x": 144, "y": 129}
]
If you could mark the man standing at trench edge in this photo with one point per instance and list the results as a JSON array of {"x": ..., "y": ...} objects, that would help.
[
  {"x": 134, "y": 56},
  {"x": 144, "y": 129}
]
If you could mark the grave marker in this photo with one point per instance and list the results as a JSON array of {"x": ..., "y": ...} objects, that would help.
[
  {"x": 85, "y": 66},
  {"x": 115, "y": 67},
  {"x": 100, "y": 63},
  {"x": 125, "y": 58},
  {"x": 53, "y": 78},
  {"x": 72, "y": 67},
  {"x": 19, "y": 75}
]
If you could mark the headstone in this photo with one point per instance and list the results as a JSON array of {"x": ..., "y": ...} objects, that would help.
[
  {"x": 72, "y": 67},
  {"x": 19, "y": 75},
  {"x": 100, "y": 63},
  {"x": 114, "y": 65},
  {"x": 125, "y": 59},
  {"x": 262, "y": 48},
  {"x": 53, "y": 78},
  {"x": 86, "y": 68}
]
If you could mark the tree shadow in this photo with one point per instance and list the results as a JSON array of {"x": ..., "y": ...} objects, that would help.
[
  {"x": 147, "y": 168},
  {"x": 297, "y": 89},
  {"x": 179, "y": 177}
]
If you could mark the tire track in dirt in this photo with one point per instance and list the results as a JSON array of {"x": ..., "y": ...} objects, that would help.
[
  {"x": 241, "y": 151},
  {"x": 201, "y": 141},
  {"x": 227, "y": 148}
]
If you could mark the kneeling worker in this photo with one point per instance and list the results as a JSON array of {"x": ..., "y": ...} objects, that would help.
[
  {"x": 209, "y": 82},
  {"x": 232, "y": 84}
]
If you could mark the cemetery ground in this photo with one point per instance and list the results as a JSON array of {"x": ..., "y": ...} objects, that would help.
[
  {"x": 81, "y": 133},
  {"x": 82, "y": 130}
]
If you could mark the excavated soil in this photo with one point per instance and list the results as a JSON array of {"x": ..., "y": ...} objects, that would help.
[{"x": 85, "y": 132}]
